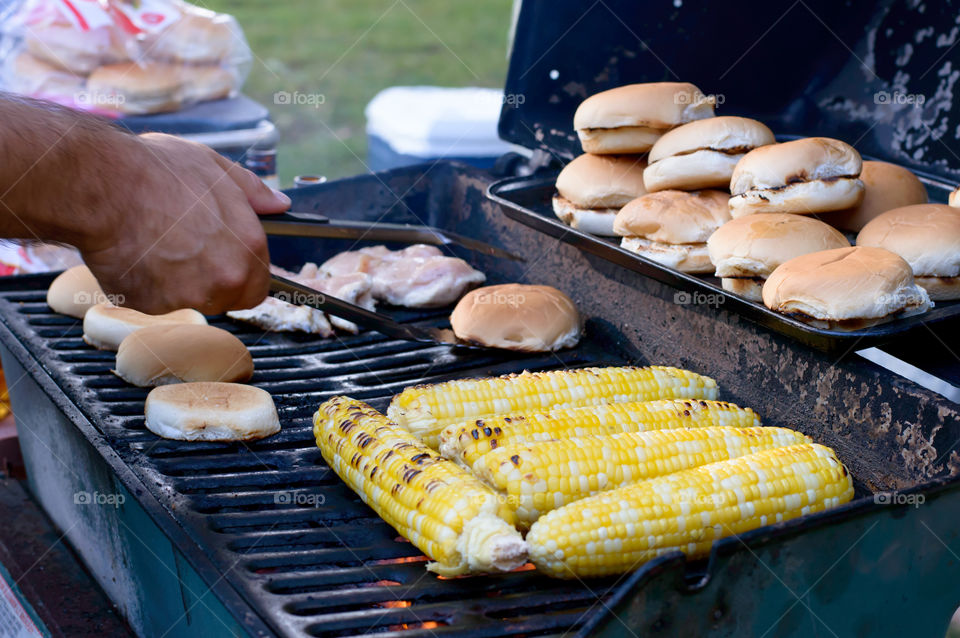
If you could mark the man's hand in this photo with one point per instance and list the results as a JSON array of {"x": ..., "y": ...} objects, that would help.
[
  {"x": 187, "y": 233},
  {"x": 163, "y": 222}
]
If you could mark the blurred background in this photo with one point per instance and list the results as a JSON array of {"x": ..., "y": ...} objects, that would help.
[{"x": 349, "y": 51}]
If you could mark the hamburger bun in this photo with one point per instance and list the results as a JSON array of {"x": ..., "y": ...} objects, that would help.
[
  {"x": 629, "y": 119},
  {"x": 845, "y": 288},
  {"x": 592, "y": 188},
  {"x": 810, "y": 175},
  {"x": 75, "y": 291},
  {"x": 746, "y": 250},
  {"x": 703, "y": 154},
  {"x": 75, "y": 50},
  {"x": 29, "y": 75},
  {"x": 105, "y": 326},
  {"x": 199, "y": 36},
  {"x": 885, "y": 187},
  {"x": 211, "y": 411},
  {"x": 136, "y": 89},
  {"x": 175, "y": 353},
  {"x": 517, "y": 317},
  {"x": 671, "y": 227},
  {"x": 207, "y": 82},
  {"x": 927, "y": 236}
]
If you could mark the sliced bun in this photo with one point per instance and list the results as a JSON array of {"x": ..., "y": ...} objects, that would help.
[
  {"x": 940, "y": 288},
  {"x": 885, "y": 187},
  {"x": 158, "y": 355},
  {"x": 927, "y": 236},
  {"x": 802, "y": 198},
  {"x": 209, "y": 411},
  {"x": 845, "y": 288},
  {"x": 105, "y": 326},
  {"x": 755, "y": 245},
  {"x": 748, "y": 287},
  {"x": 692, "y": 258},
  {"x": 602, "y": 181},
  {"x": 699, "y": 169},
  {"x": 75, "y": 291},
  {"x": 150, "y": 87},
  {"x": 596, "y": 221},
  {"x": 660, "y": 105},
  {"x": 674, "y": 217},
  {"x": 613, "y": 141},
  {"x": 517, "y": 317},
  {"x": 730, "y": 134}
]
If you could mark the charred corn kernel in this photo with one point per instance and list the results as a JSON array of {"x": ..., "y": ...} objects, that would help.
[
  {"x": 466, "y": 442},
  {"x": 617, "y": 531},
  {"x": 424, "y": 410},
  {"x": 539, "y": 477},
  {"x": 446, "y": 512}
]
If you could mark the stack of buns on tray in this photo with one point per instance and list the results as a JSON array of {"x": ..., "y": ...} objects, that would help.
[{"x": 776, "y": 222}]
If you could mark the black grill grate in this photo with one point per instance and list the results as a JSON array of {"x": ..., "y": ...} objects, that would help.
[{"x": 334, "y": 569}]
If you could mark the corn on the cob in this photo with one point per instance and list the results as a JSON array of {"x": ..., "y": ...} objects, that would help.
[
  {"x": 466, "y": 442},
  {"x": 447, "y": 513},
  {"x": 424, "y": 410},
  {"x": 616, "y": 531},
  {"x": 539, "y": 477}
]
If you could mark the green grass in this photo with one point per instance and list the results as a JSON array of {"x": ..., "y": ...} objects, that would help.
[{"x": 347, "y": 51}]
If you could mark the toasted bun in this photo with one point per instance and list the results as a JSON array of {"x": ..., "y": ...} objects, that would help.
[
  {"x": 885, "y": 187},
  {"x": 845, "y": 284},
  {"x": 927, "y": 236},
  {"x": 207, "y": 82},
  {"x": 517, "y": 317},
  {"x": 207, "y": 411},
  {"x": 731, "y": 134},
  {"x": 150, "y": 87},
  {"x": 691, "y": 258},
  {"x": 696, "y": 170},
  {"x": 674, "y": 217},
  {"x": 612, "y": 141},
  {"x": 198, "y": 37},
  {"x": 748, "y": 287},
  {"x": 753, "y": 246},
  {"x": 660, "y": 105},
  {"x": 802, "y": 198},
  {"x": 106, "y": 325},
  {"x": 602, "y": 181},
  {"x": 596, "y": 221},
  {"x": 804, "y": 160},
  {"x": 158, "y": 355},
  {"x": 940, "y": 288},
  {"x": 75, "y": 291}
]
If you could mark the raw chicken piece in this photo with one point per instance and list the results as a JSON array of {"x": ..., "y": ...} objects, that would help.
[
  {"x": 355, "y": 288},
  {"x": 350, "y": 262},
  {"x": 414, "y": 251},
  {"x": 280, "y": 316},
  {"x": 418, "y": 282}
]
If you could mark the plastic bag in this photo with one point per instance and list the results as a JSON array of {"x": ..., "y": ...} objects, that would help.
[
  {"x": 25, "y": 257},
  {"x": 121, "y": 57}
]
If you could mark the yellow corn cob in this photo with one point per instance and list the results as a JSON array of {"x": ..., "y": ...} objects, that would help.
[
  {"x": 466, "y": 442},
  {"x": 447, "y": 513},
  {"x": 424, "y": 410},
  {"x": 616, "y": 531},
  {"x": 540, "y": 477}
]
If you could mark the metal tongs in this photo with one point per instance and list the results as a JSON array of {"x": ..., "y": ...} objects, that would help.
[
  {"x": 303, "y": 224},
  {"x": 300, "y": 295}
]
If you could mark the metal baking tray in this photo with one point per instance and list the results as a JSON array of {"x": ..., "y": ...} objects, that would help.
[{"x": 528, "y": 201}]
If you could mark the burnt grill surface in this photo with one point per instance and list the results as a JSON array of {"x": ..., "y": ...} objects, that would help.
[{"x": 306, "y": 554}]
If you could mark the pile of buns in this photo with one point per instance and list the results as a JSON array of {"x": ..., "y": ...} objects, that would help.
[
  {"x": 718, "y": 195},
  {"x": 196, "y": 58},
  {"x": 197, "y": 370}
]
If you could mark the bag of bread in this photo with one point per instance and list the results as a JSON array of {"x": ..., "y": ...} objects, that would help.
[{"x": 121, "y": 57}]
